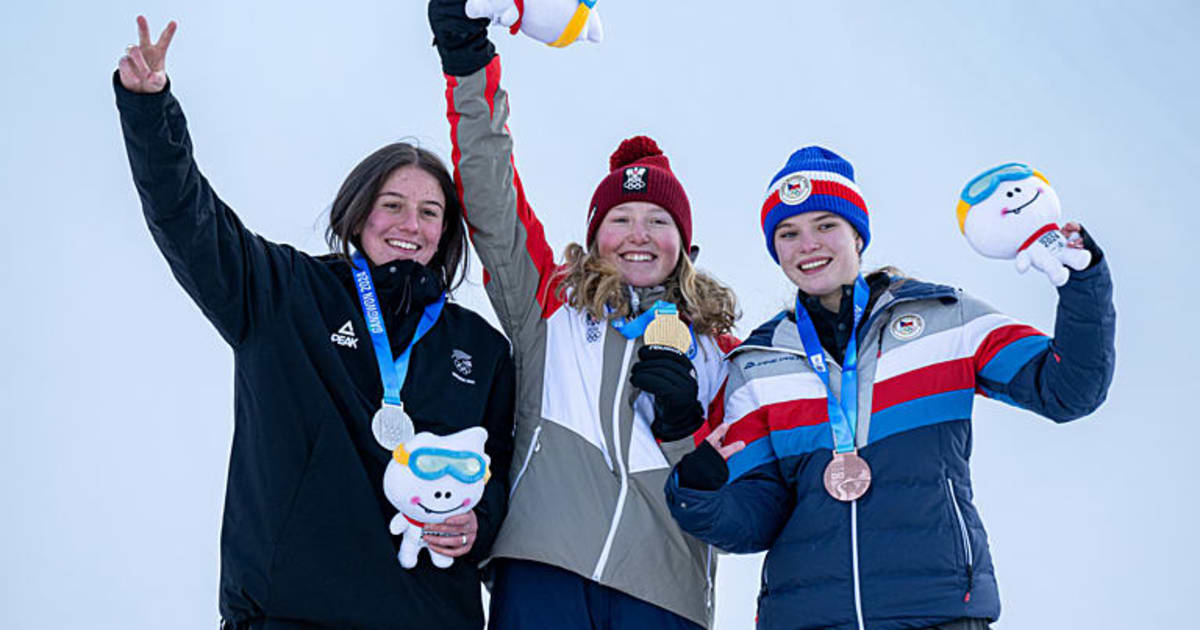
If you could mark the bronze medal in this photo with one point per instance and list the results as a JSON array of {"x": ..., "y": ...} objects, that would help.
[
  {"x": 847, "y": 477},
  {"x": 666, "y": 330}
]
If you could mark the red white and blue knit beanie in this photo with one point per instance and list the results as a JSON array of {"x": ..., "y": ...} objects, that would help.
[
  {"x": 814, "y": 179},
  {"x": 640, "y": 172}
]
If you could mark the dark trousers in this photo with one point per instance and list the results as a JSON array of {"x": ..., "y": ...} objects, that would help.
[{"x": 534, "y": 596}]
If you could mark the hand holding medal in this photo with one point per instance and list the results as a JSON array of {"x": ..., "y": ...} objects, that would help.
[
  {"x": 666, "y": 330},
  {"x": 665, "y": 371}
]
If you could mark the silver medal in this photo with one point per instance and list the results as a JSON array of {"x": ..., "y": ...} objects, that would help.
[{"x": 392, "y": 426}]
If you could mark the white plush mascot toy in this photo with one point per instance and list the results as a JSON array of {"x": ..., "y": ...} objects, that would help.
[
  {"x": 431, "y": 478},
  {"x": 1011, "y": 212},
  {"x": 557, "y": 23}
]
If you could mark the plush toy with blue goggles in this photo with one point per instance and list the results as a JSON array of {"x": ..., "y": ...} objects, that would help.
[
  {"x": 431, "y": 478},
  {"x": 1011, "y": 212},
  {"x": 556, "y": 23},
  {"x": 434, "y": 463}
]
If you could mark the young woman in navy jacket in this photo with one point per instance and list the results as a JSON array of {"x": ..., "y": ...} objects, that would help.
[{"x": 863, "y": 499}]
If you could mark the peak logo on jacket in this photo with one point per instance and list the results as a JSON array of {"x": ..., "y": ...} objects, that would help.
[{"x": 345, "y": 336}]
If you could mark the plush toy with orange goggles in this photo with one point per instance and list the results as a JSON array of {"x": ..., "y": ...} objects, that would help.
[
  {"x": 1011, "y": 212},
  {"x": 556, "y": 23},
  {"x": 431, "y": 478}
]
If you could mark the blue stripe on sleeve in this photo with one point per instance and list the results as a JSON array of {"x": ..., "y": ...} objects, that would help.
[
  {"x": 802, "y": 440},
  {"x": 1004, "y": 398},
  {"x": 924, "y": 411},
  {"x": 1005, "y": 365},
  {"x": 754, "y": 455}
]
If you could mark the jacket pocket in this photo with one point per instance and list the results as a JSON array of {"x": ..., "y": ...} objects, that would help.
[
  {"x": 535, "y": 445},
  {"x": 965, "y": 536}
]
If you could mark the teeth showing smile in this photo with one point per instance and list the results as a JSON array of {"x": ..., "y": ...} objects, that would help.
[
  {"x": 809, "y": 266},
  {"x": 412, "y": 247},
  {"x": 637, "y": 257}
]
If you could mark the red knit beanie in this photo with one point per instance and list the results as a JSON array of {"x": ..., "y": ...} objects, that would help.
[{"x": 640, "y": 172}]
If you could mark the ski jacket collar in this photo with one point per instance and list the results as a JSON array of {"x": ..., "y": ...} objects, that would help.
[
  {"x": 403, "y": 286},
  {"x": 774, "y": 335}
]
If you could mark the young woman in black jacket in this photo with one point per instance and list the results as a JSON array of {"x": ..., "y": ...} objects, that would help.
[{"x": 305, "y": 539}]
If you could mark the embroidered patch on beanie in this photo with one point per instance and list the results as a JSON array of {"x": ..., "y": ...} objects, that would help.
[
  {"x": 635, "y": 179},
  {"x": 814, "y": 179},
  {"x": 639, "y": 171}
]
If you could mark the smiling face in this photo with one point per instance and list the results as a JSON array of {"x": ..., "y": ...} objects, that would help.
[
  {"x": 997, "y": 226},
  {"x": 818, "y": 252},
  {"x": 439, "y": 493},
  {"x": 406, "y": 219},
  {"x": 641, "y": 239}
]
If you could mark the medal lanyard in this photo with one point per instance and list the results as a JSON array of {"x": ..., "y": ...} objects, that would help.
[
  {"x": 843, "y": 418},
  {"x": 636, "y": 327},
  {"x": 391, "y": 372}
]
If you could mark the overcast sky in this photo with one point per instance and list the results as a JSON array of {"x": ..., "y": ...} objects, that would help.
[{"x": 116, "y": 395}]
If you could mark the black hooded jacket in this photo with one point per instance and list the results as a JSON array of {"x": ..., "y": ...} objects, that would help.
[{"x": 305, "y": 540}]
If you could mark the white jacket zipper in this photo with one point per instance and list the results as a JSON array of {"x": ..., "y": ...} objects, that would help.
[
  {"x": 854, "y": 556},
  {"x": 616, "y": 421},
  {"x": 534, "y": 446}
]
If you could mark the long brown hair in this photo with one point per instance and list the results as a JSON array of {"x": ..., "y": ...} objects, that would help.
[
  {"x": 590, "y": 283},
  {"x": 357, "y": 196}
]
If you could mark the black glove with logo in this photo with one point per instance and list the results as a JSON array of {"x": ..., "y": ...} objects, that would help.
[
  {"x": 461, "y": 42},
  {"x": 669, "y": 377}
]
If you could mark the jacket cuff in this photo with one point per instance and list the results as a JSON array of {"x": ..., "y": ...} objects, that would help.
[
  {"x": 1097, "y": 269},
  {"x": 460, "y": 62},
  {"x": 138, "y": 101}
]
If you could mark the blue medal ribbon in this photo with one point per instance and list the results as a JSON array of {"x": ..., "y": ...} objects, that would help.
[
  {"x": 391, "y": 372},
  {"x": 843, "y": 418},
  {"x": 636, "y": 327}
]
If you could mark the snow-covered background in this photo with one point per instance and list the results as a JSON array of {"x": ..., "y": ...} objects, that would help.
[{"x": 116, "y": 395}]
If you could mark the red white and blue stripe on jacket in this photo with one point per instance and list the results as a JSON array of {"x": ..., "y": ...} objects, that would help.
[{"x": 912, "y": 552}]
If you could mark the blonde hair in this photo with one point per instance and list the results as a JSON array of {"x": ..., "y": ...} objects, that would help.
[{"x": 590, "y": 283}]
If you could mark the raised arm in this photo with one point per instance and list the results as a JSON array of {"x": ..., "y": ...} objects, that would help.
[
  {"x": 504, "y": 230},
  {"x": 1065, "y": 377},
  {"x": 220, "y": 263}
]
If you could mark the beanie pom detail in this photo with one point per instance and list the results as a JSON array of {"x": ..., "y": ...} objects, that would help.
[{"x": 632, "y": 150}]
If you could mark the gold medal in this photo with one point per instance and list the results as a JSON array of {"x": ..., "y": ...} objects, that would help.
[
  {"x": 847, "y": 477},
  {"x": 666, "y": 330}
]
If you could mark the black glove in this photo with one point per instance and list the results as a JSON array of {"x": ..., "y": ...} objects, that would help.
[
  {"x": 1091, "y": 246},
  {"x": 461, "y": 42},
  {"x": 702, "y": 469},
  {"x": 668, "y": 375}
]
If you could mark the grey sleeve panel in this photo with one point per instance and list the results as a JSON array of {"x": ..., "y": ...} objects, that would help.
[
  {"x": 674, "y": 451},
  {"x": 972, "y": 307},
  {"x": 517, "y": 264}
]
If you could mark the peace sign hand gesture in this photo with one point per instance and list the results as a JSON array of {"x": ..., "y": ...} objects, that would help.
[{"x": 143, "y": 67}]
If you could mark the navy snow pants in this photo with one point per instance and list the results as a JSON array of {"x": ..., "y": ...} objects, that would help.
[{"x": 530, "y": 595}]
